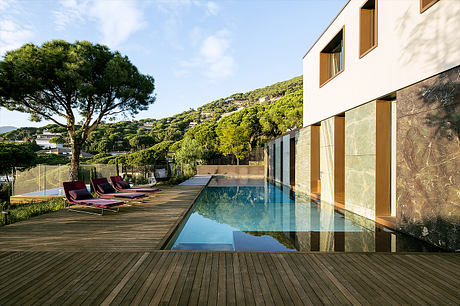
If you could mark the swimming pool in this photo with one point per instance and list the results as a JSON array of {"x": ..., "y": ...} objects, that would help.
[{"x": 254, "y": 215}]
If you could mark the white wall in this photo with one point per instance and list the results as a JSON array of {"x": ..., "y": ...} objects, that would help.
[{"x": 411, "y": 47}]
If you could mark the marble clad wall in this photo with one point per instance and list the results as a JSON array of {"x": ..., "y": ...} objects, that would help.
[
  {"x": 302, "y": 161},
  {"x": 271, "y": 161},
  {"x": 278, "y": 160},
  {"x": 360, "y": 155},
  {"x": 327, "y": 160},
  {"x": 286, "y": 159},
  {"x": 428, "y": 159}
]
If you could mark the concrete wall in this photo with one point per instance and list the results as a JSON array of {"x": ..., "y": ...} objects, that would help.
[
  {"x": 411, "y": 47},
  {"x": 360, "y": 159},
  {"x": 327, "y": 160},
  {"x": 231, "y": 170},
  {"x": 286, "y": 160},
  {"x": 302, "y": 161}
]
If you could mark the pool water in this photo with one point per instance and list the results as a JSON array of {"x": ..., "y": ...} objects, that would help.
[{"x": 253, "y": 215}]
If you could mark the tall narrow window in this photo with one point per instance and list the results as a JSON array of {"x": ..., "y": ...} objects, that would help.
[
  {"x": 367, "y": 27},
  {"x": 331, "y": 60},
  {"x": 425, "y": 4}
]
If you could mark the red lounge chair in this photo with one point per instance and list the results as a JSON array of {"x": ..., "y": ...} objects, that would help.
[
  {"x": 122, "y": 186},
  {"x": 76, "y": 193},
  {"x": 103, "y": 189}
]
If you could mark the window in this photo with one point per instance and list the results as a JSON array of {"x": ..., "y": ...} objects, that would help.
[
  {"x": 426, "y": 4},
  {"x": 367, "y": 27},
  {"x": 332, "y": 58}
]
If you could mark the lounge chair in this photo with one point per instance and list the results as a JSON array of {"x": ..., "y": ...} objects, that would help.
[
  {"x": 77, "y": 194},
  {"x": 122, "y": 186},
  {"x": 103, "y": 189}
]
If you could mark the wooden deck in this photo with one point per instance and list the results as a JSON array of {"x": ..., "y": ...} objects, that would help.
[
  {"x": 218, "y": 278},
  {"x": 71, "y": 258},
  {"x": 137, "y": 228}
]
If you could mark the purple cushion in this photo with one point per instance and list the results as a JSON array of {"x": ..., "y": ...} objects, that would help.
[
  {"x": 125, "y": 195},
  {"x": 123, "y": 185},
  {"x": 105, "y": 188},
  {"x": 80, "y": 194}
]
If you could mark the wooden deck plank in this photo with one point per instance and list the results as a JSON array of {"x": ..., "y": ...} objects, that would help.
[
  {"x": 76, "y": 278},
  {"x": 255, "y": 287},
  {"x": 55, "y": 283},
  {"x": 214, "y": 280},
  {"x": 190, "y": 277},
  {"x": 248, "y": 293},
  {"x": 273, "y": 269},
  {"x": 437, "y": 295},
  {"x": 389, "y": 275},
  {"x": 133, "y": 286},
  {"x": 195, "y": 290},
  {"x": 161, "y": 280},
  {"x": 238, "y": 282},
  {"x": 285, "y": 279},
  {"x": 221, "y": 285},
  {"x": 382, "y": 281},
  {"x": 258, "y": 274},
  {"x": 205, "y": 282},
  {"x": 230, "y": 279},
  {"x": 299, "y": 289},
  {"x": 354, "y": 279},
  {"x": 163, "y": 297},
  {"x": 327, "y": 295}
]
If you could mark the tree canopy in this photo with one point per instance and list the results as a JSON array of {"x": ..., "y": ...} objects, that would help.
[{"x": 73, "y": 82}]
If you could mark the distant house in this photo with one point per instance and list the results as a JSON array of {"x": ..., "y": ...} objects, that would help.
[
  {"x": 43, "y": 140},
  {"x": 63, "y": 151},
  {"x": 263, "y": 99},
  {"x": 146, "y": 125},
  {"x": 205, "y": 114},
  {"x": 192, "y": 124}
]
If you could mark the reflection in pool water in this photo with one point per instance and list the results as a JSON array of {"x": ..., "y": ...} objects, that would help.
[{"x": 255, "y": 215}]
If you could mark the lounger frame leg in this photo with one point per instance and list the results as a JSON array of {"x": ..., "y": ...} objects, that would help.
[{"x": 95, "y": 213}]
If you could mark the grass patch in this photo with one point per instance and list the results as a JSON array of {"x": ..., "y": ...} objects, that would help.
[{"x": 25, "y": 212}]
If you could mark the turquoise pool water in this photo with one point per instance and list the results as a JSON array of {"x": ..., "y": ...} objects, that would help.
[{"x": 253, "y": 215}]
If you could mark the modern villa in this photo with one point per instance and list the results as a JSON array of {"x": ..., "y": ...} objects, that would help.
[{"x": 380, "y": 135}]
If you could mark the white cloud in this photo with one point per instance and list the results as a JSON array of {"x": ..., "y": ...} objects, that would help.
[
  {"x": 69, "y": 12},
  {"x": 214, "y": 58},
  {"x": 13, "y": 35},
  {"x": 4, "y": 4},
  {"x": 117, "y": 19},
  {"x": 212, "y": 8}
]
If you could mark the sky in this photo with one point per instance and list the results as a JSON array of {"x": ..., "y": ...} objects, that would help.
[{"x": 197, "y": 51}]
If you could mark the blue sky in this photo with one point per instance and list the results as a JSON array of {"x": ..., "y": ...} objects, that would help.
[{"x": 197, "y": 51}]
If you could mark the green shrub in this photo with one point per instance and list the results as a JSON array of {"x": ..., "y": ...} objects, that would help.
[{"x": 25, "y": 212}]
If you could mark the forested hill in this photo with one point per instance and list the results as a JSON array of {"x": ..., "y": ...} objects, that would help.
[{"x": 264, "y": 112}]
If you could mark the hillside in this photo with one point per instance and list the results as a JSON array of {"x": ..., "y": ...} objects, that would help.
[
  {"x": 5, "y": 129},
  {"x": 266, "y": 112}
]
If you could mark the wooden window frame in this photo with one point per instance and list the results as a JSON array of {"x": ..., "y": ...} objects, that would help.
[
  {"x": 363, "y": 53},
  {"x": 324, "y": 58},
  {"x": 426, "y": 6}
]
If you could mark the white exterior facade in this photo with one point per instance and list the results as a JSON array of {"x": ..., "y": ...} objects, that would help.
[{"x": 411, "y": 46}]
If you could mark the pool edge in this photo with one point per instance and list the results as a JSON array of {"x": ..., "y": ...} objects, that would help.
[{"x": 170, "y": 234}]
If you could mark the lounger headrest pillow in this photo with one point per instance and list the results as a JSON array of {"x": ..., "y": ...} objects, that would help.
[
  {"x": 123, "y": 185},
  {"x": 80, "y": 194},
  {"x": 105, "y": 188}
]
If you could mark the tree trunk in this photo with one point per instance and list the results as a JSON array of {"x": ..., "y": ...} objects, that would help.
[
  {"x": 75, "y": 161},
  {"x": 237, "y": 161}
]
